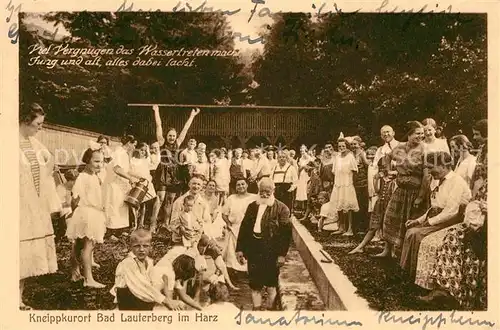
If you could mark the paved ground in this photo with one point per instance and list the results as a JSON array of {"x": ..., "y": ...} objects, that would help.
[{"x": 298, "y": 290}]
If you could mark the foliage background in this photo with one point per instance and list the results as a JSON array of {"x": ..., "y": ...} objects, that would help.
[{"x": 369, "y": 69}]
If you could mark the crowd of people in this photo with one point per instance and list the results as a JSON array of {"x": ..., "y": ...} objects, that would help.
[{"x": 425, "y": 198}]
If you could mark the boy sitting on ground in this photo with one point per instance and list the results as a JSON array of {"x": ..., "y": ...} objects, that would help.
[{"x": 134, "y": 289}]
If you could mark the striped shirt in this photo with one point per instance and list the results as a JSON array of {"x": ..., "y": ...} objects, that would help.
[{"x": 30, "y": 154}]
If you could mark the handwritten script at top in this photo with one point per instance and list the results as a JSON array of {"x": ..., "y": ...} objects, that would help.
[{"x": 319, "y": 11}]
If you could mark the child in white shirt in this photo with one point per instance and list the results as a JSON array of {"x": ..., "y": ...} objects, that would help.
[
  {"x": 328, "y": 217},
  {"x": 134, "y": 289}
]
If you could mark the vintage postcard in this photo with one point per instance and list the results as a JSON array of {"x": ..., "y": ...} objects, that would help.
[{"x": 249, "y": 164}]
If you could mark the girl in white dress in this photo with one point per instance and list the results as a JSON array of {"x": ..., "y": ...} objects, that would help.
[
  {"x": 139, "y": 167},
  {"x": 301, "y": 192},
  {"x": 88, "y": 223},
  {"x": 343, "y": 197},
  {"x": 221, "y": 174},
  {"x": 233, "y": 213},
  {"x": 431, "y": 142}
]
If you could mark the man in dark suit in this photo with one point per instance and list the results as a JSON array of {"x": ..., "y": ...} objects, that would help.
[{"x": 264, "y": 238}]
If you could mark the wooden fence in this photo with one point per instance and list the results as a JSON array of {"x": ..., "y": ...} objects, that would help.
[{"x": 67, "y": 144}]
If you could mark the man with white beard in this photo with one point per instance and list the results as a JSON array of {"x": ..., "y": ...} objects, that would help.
[{"x": 264, "y": 239}]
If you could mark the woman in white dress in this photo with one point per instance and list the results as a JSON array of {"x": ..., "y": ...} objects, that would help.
[
  {"x": 214, "y": 228},
  {"x": 466, "y": 162},
  {"x": 343, "y": 197},
  {"x": 117, "y": 185},
  {"x": 37, "y": 248},
  {"x": 233, "y": 213},
  {"x": 301, "y": 192}
]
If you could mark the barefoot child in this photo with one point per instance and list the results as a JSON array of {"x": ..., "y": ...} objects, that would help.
[
  {"x": 134, "y": 289},
  {"x": 383, "y": 186},
  {"x": 87, "y": 226},
  {"x": 328, "y": 217}
]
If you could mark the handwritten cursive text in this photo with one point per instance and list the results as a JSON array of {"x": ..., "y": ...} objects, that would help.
[
  {"x": 427, "y": 320},
  {"x": 13, "y": 32},
  {"x": 296, "y": 319}
]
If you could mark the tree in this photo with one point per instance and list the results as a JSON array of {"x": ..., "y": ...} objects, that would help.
[
  {"x": 96, "y": 97},
  {"x": 375, "y": 69}
]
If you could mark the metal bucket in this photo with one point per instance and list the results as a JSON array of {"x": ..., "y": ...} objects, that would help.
[{"x": 137, "y": 193}]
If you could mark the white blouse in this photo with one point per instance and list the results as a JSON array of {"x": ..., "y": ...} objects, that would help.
[{"x": 465, "y": 168}]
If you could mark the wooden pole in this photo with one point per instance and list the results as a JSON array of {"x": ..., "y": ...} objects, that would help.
[{"x": 226, "y": 106}]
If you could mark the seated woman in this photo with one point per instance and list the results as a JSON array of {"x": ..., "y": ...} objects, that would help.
[
  {"x": 460, "y": 269},
  {"x": 459, "y": 266}
]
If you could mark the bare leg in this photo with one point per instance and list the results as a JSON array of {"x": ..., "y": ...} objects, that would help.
[
  {"x": 94, "y": 264},
  {"x": 167, "y": 206},
  {"x": 256, "y": 299},
  {"x": 271, "y": 298},
  {"x": 219, "y": 263},
  {"x": 154, "y": 216},
  {"x": 76, "y": 249},
  {"x": 22, "y": 306},
  {"x": 307, "y": 211},
  {"x": 142, "y": 214},
  {"x": 342, "y": 226},
  {"x": 349, "y": 231},
  {"x": 161, "y": 196},
  {"x": 386, "y": 252},
  {"x": 367, "y": 239},
  {"x": 87, "y": 265},
  {"x": 320, "y": 223}
]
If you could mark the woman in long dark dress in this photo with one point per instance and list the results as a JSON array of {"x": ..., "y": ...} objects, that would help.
[{"x": 412, "y": 182}]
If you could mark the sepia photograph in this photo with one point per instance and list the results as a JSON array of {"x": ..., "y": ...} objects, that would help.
[{"x": 216, "y": 161}]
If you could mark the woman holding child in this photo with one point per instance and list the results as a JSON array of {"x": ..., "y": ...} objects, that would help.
[{"x": 37, "y": 249}]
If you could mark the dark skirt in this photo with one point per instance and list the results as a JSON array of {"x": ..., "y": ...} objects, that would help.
[
  {"x": 263, "y": 268},
  {"x": 361, "y": 217},
  {"x": 377, "y": 216},
  {"x": 399, "y": 210},
  {"x": 167, "y": 178}
]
